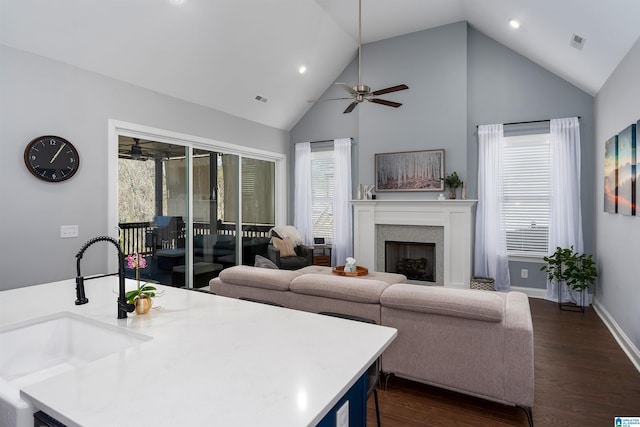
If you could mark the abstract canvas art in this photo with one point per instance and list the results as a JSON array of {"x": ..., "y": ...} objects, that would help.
[
  {"x": 637, "y": 173},
  {"x": 610, "y": 174},
  {"x": 626, "y": 171}
]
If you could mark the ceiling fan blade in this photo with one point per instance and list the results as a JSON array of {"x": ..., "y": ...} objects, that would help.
[
  {"x": 390, "y": 89},
  {"x": 347, "y": 88},
  {"x": 328, "y": 99},
  {"x": 350, "y": 107},
  {"x": 385, "y": 102}
]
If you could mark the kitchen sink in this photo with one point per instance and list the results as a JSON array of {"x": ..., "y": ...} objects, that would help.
[
  {"x": 40, "y": 348},
  {"x": 58, "y": 341}
]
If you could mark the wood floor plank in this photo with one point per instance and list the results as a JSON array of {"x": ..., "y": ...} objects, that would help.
[{"x": 582, "y": 379}]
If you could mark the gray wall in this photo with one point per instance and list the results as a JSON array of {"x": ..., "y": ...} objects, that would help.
[
  {"x": 434, "y": 112},
  {"x": 458, "y": 78},
  {"x": 41, "y": 97},
  {"x": 618, "y": 236},
  {"x": 505, "y": 87}
]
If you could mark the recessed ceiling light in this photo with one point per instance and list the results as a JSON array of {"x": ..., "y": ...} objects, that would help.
[
  {"x": 302, "y": 69},
  {"x": 515, "y": 24}
]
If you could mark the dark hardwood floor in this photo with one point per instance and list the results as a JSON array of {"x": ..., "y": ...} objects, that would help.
[{"x": 582, "y": 378}]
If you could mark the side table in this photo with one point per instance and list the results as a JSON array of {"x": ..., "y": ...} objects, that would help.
[{"x": 322, "y": 255}]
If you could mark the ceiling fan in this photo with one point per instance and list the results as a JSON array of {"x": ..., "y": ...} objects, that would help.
[
  {"x": 136, "y": 152},
  {"x": 361, "y": 92}
]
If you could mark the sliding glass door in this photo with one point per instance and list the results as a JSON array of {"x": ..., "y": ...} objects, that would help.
[
  {"x": 192, "y": 212},
  {"x": 258, "y": 207},
  {"x": 153, "y": 208},
  {"x": 215, "y": 218}
]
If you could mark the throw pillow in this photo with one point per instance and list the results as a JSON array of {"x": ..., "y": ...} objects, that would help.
[
  {"x": 263, "y": 262},
  {"x": 284, "y": 246}
]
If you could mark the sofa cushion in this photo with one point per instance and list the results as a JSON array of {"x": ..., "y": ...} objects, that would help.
[
  {"x": 284, "y": 246},
  {"x": 468, "y": 304},
  {"x": 339, "y": 287},
  {"x": 245, "y": 275},
  {"x": 390, "y": 278}
]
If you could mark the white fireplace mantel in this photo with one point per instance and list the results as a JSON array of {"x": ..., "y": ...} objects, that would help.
[{"x": 455, "y": 216}]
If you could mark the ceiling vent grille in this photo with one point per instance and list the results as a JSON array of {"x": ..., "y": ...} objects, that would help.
[
  {"x": 577, "y": 41},
  {"x": 261, "y": 99}
]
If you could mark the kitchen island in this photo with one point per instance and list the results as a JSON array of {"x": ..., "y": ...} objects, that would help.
[{"x": 210, "y": 360}]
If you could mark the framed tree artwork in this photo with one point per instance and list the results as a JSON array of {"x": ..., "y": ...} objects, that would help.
[{"x": 410, "y": 171}]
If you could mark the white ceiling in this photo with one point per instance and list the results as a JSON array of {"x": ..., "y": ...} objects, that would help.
[{"x": 222, "y": 53}]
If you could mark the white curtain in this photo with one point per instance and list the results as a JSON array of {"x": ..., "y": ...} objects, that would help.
[
  {"x": 342, "y": 229},
  {"x": 491, "y": 242},
  {"x": 565, "y": 223},
  {"x": 302, "y": 192}
]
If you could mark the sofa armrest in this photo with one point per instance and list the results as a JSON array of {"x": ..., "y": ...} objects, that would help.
[
  {"x": 273, "y": 254},
  {"x": 519, "y": 349},
  {"x": 305, "y": 252}
]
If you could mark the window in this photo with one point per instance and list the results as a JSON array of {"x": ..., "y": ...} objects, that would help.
[
  {"x": 527, "y": 194},
  {"x": 322, "y": 193}
]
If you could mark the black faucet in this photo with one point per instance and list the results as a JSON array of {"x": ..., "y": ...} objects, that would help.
[{"x": 123, "y": 306}]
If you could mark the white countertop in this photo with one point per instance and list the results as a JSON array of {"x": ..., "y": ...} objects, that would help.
[{"x": 211, "y": 360}]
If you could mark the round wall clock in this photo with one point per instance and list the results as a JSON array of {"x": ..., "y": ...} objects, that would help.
[{"x": 51, "y": 158}]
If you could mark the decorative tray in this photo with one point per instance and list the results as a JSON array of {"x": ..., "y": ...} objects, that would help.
[{"x": 360, "y": 271}]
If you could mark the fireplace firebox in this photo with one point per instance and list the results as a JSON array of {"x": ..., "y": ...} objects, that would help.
[{"x": 416, "y": 260}]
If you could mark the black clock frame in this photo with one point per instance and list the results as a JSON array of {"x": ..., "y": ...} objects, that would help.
[{"x": 39, "y": 151}]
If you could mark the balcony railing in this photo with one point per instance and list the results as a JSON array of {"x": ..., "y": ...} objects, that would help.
[
  {"x": 134, "y": 237},
  {"x": 138, "y": 237}
]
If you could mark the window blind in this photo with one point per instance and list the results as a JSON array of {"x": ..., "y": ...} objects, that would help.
[
  {"x": 322, "y": 173},
  {"x": 527, "y": 194}
]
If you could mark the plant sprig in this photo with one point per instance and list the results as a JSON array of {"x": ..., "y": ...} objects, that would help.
[
  {"x": 453, "y": 181},
  {"x": 144, "y": 291}
]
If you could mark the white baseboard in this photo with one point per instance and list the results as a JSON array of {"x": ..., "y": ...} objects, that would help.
[
  {"x": 531, "y": 292},
  {"x": 625, "y": 343}
]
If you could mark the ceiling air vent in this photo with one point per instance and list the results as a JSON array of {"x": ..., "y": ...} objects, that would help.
[
  {"x": 261, "y": 99},
  {"x": 577, "y": 41}
]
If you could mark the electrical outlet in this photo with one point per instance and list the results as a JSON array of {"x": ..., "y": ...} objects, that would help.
[
  {"x": 68, "y": 231},
  {"x": 524, "y": 273},
  {"x": 342, "y": 415}
]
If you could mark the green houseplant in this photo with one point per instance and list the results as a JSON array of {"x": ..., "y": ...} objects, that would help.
[
  {"x": 452, "y": 181},
  {"x": 575, "y": 270}
]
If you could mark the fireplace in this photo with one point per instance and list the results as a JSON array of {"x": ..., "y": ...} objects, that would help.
[
  {"x": 447, "y": 223},
  {"x": 412, "y": 242},
  {"x": 416, "y": 260}
]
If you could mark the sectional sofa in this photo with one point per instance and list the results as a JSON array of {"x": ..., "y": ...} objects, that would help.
[{"x": 474, "y": 342}]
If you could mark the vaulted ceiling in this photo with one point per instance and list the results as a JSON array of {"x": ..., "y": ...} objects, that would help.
[{"x": 224, "y": 53}]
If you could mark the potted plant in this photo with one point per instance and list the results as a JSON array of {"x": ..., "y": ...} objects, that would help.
[
  {"x": 452, "y": 181},
  {"x": 141, "y": 296},
  {"x": 575, "y": 270}
]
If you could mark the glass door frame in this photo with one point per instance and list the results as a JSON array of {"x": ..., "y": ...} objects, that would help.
[{"x": 117, "y": 128}]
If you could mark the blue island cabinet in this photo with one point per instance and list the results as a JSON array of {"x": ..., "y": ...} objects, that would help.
[{"x": 357, "y": 407}]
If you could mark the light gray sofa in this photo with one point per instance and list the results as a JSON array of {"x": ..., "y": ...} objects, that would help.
[{"x": 474, "y": 342}]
